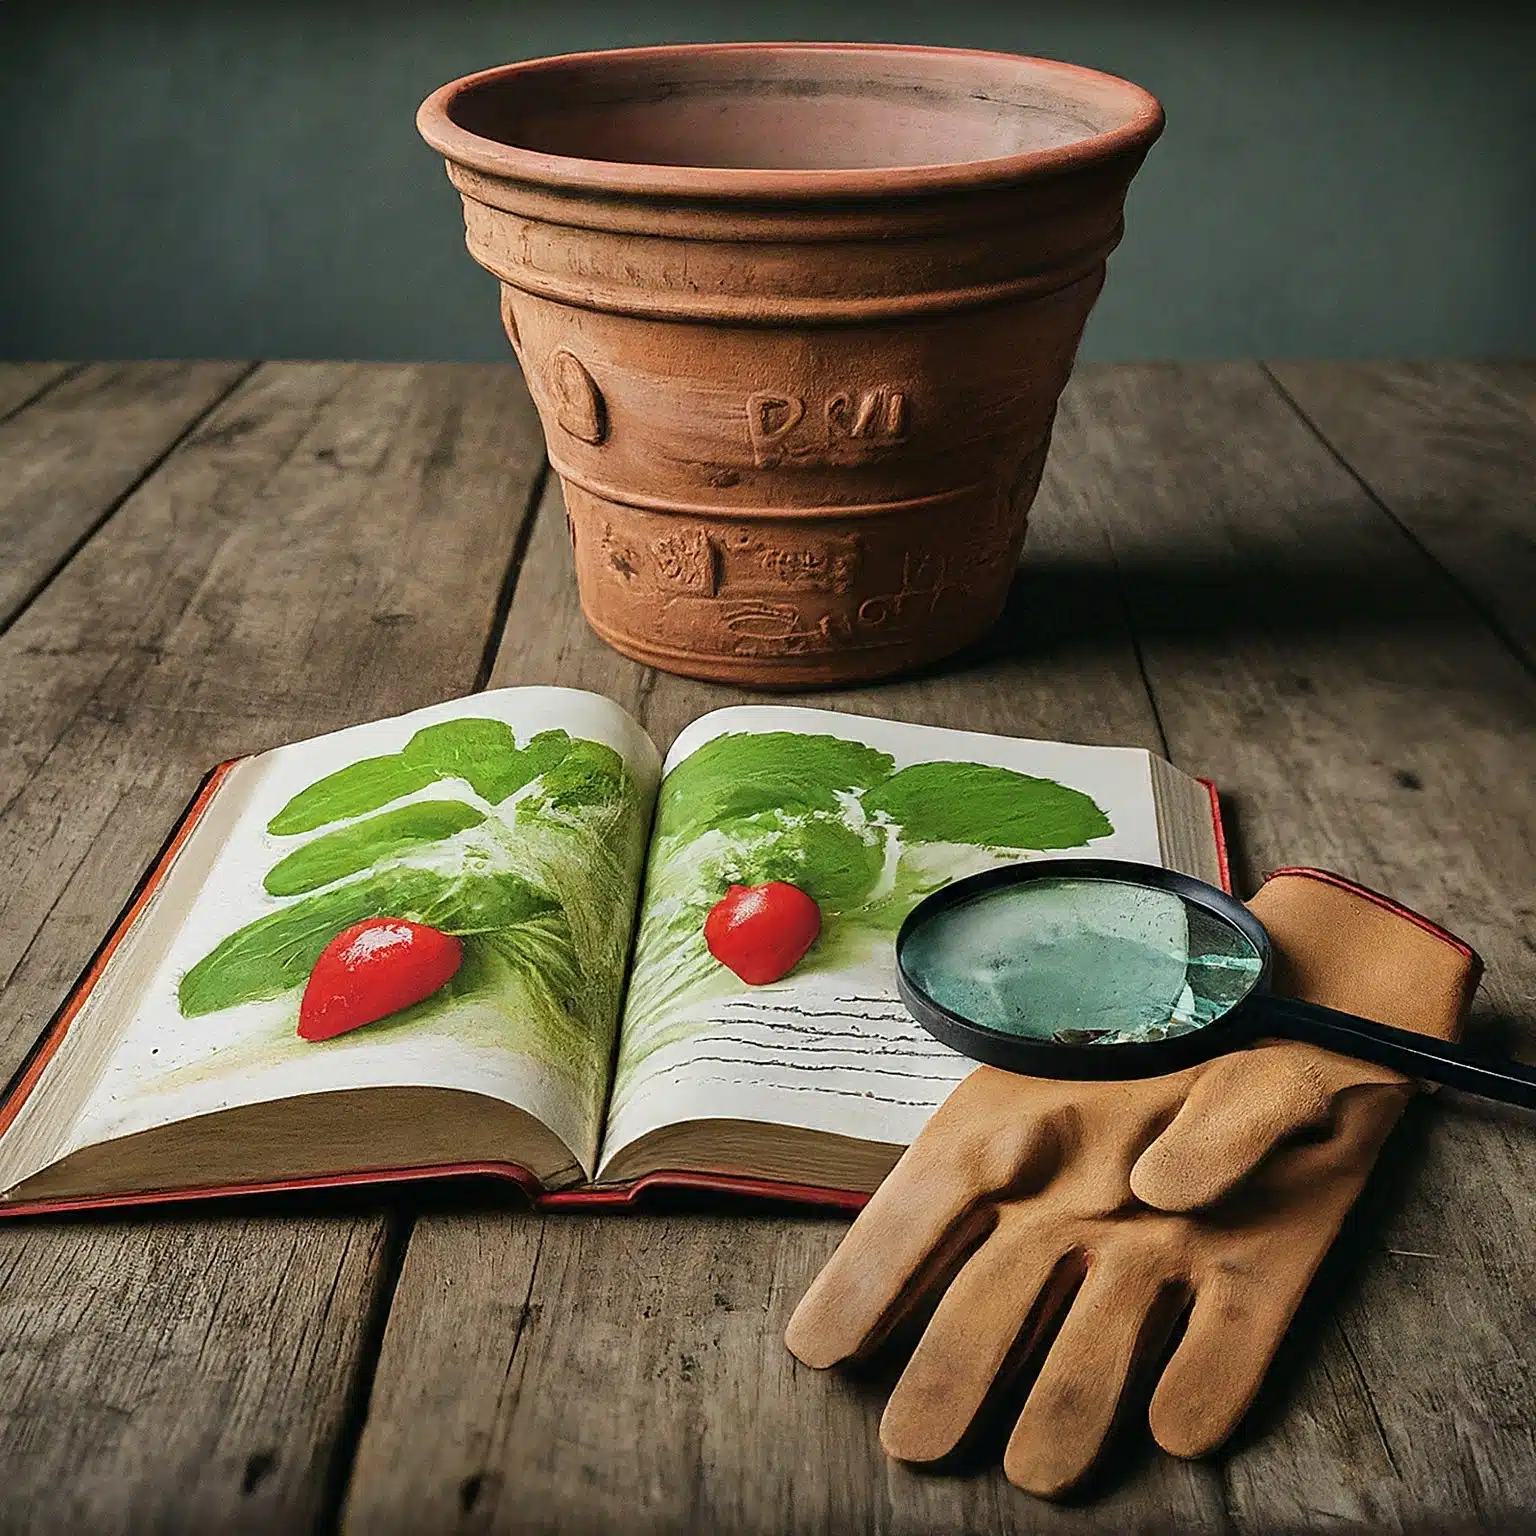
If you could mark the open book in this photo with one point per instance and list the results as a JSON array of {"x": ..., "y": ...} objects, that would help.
[{"x": 473, "y": 938}]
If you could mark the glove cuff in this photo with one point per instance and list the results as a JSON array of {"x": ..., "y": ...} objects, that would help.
[{"x": 1348, "y": 947}]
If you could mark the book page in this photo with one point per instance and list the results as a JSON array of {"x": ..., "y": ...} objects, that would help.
[
  {"x": 513, "y": 823},
  {"x": 866, "y": 817}
]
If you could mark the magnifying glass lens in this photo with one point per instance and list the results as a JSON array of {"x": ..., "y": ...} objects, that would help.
[{"x": 1081, "y": 961}]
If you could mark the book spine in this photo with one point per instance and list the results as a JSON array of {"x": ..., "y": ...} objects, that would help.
[
  {"x": 630, "y": 1196},
  {"x": 1223, "y": 863}
]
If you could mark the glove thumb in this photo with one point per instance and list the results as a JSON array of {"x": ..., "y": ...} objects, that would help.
[{"x": 1240, "y": 1108}]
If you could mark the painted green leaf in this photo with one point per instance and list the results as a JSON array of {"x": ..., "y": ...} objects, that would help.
[
  {"x": 335, "y": 855},
  {"x": 476, "y": 903},
  {"x": 485, "y": 754},
  {"x": 986, "y": 807},
  {"x": 741, "y": 775},
  {"x": 452, "y": 746},
  {"x": 351, "y": 791},
  {"x": 823, "y": 856},
  {"x": 590, "y": 774},
  {"x": 541, "y": 950},
  {"x": 543, "y": 755},
  {"x": 276, "y": 952}
]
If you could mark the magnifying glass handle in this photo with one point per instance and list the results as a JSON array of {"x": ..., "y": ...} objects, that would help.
[{"x": 1438, "y": 1061}]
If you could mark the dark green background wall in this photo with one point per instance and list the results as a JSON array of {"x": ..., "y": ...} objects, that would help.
[{"x": 244, "y": 179}]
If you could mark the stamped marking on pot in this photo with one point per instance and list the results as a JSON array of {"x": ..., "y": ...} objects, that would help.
[
  {"x": 579, "y": 404},
  {"x": 924, "y": 585},
  {"x": 818, "y": 570},
  {"x": 622, "y": 558},
  {"x": 852, "y": 426},
  {"x": 770, "y": 420},
  {"x": 878, "y": 415},
  {"x": 827, "y": 565},
  {"x": 688, "y": 559},
  {"x": 780, "y": 629}
]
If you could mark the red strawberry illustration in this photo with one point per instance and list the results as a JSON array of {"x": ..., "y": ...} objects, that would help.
[
  {"x": 761, "y": 932},
  {"x": 373, "y": 969}
]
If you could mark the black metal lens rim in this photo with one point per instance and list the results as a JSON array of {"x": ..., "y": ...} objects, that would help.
[{"x": 1043, "y": 1058}]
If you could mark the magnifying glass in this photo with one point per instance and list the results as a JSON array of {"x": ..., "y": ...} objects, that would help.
[{"x": 1094, "y": 968}]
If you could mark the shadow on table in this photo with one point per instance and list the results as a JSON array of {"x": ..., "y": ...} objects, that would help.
[{"x": 1320, "y": 591}]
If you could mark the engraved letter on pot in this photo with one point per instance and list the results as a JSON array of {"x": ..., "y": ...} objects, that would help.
[
  {"x": 877, "y": 415},
  {"x": 579, "y": 405},
  {"x": 852, "y": 425},
  {"x": 770, "y": 419}
]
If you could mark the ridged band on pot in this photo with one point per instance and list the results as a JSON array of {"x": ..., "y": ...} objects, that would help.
[{"x": 799, "y": 415}]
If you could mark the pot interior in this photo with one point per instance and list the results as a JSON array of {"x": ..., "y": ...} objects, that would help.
[{"x": 793, "y": 108}]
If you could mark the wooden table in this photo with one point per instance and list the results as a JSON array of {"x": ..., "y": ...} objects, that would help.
[{"x": 1315, "y": 583}]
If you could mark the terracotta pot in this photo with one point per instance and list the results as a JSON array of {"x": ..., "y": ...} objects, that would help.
[{"x": 796, "y": 318}]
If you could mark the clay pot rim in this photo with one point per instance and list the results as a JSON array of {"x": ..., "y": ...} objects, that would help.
[{"x": 1144, "y": 122}]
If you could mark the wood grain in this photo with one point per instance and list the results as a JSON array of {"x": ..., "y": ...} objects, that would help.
[
  {"x": 1358, "y": 716},
  {"x": 1514, "y": 377},
  {"x": 21, "y": 383},
  {"x": 179, "y": 1374},
  {"x": 328, "y": 546},
  {"x": 73, "y": 453},
  {"x": 1451, "y": 454},
  {"x": 599, "y": 1373},
  {"x": 629, "y": 1374}
]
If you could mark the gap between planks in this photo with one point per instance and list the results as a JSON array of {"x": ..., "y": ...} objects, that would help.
[
  {"x": 22, "y": 384},
  {"x": 401, "y": 1220},
  {"x": 91, "y": 464},
  {"x": 1475, "y": 579}
]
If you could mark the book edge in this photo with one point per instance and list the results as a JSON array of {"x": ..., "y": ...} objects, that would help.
[
  {"x": 48, "y": 1042},
  {"x": 625, "y": 1196}
]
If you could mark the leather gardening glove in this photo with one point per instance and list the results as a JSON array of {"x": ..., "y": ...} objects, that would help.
[{"x": 1117, "y": 1208}]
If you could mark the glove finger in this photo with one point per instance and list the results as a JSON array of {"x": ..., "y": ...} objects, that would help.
[
  {"x": 1215, "y": 1373},
  {"x": 1071, "y": 1408},
  {"x": 928, "y": 1210},
  {"x": 965, "y": 1344},
  {"x": 1239, "y": 1108}
]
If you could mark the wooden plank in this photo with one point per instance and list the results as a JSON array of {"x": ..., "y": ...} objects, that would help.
[
  {"x": 328, "y": 546},
  {"x": 628, "y": 1373},
  {"x": 1516, "y": 377},
  {"x": 593, "y": 1374},
  {"x": 1451, "y": 453},
  {"x": 70, "y": 457},
  {"x": 1359, "y": 717},
  {"x": 180, "y": 1375},
  {"x": 22, "y": 383}
]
